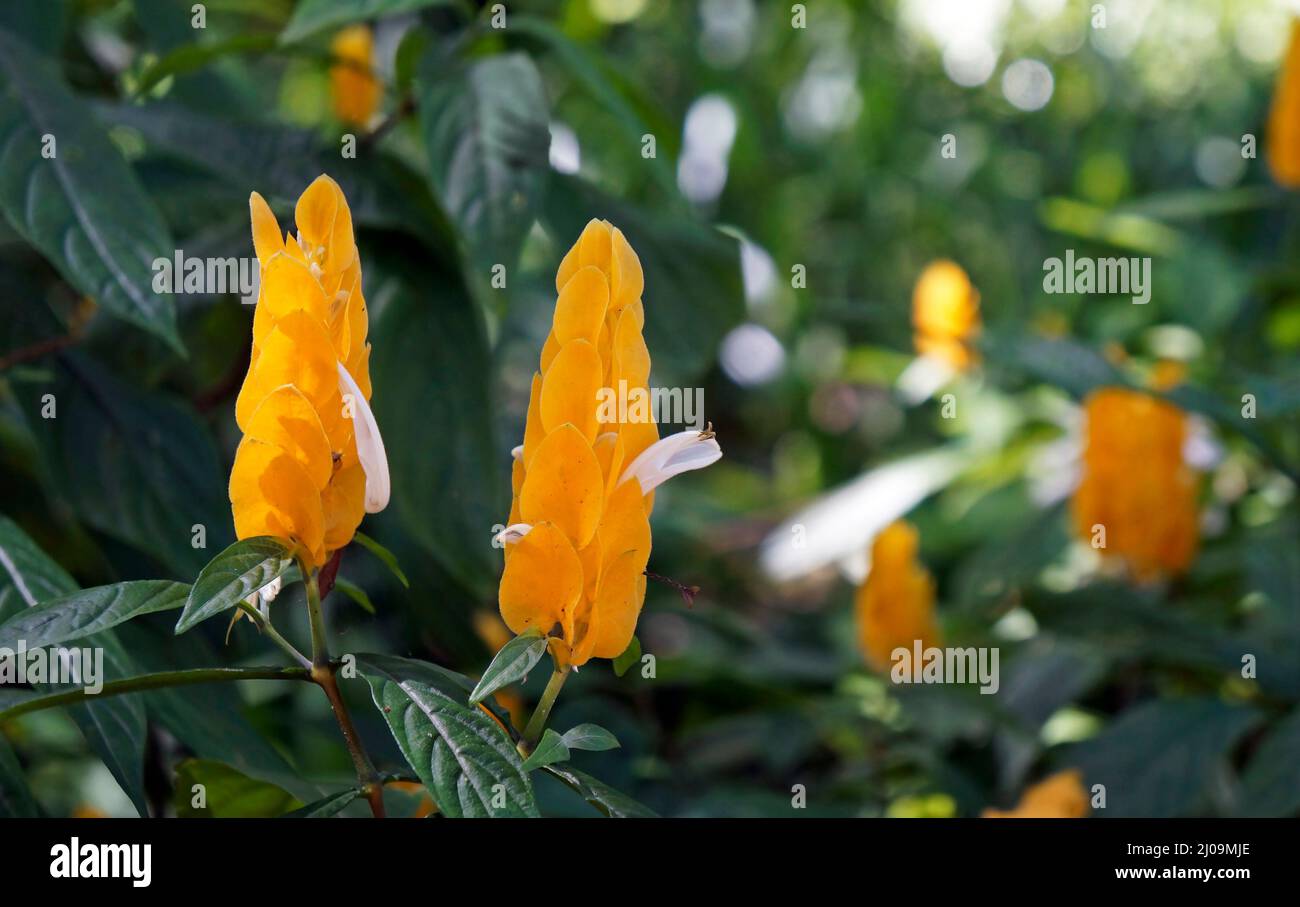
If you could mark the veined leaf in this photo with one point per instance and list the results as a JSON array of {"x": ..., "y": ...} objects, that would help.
[
  {"x": 511, "y": 664},
  {"x": 550, "y": 749},
  {"x": 612, "y": 803},
  {"x": 90, "y": 611},
  {"x": 463, "y": 758},
  {"x": 591, "y": 737},
  {"x": 486, "y": 129},
  {"x": 312, "y": 16},
  {"x": 115, "y": 728},
  {"x": 81, "y": 205},
  {"x": 233, "y": 575}
]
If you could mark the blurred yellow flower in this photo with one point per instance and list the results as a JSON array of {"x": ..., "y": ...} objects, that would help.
[
  {"x": 895, "y": 606},
  {"x": 945, "y": 314},
  {"x": 1136, "y": 500},
  {"x": 312, "y": 461},
  {"x": 1061, "y": 796},
  {"x": 353, "y": 87},
  {"x": 1283, "y": 139},
  {"x": 578, "y": 538}
]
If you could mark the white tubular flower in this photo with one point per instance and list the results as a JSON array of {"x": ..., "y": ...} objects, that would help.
[
  {"x": 672, "y": 455},
  {"x": 370, "y": 445}
]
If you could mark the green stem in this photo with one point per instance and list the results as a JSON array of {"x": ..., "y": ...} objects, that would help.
[
  {"x": 537, "y": 723},
  {"x": 154, "y": 682},
  {"x": 273, "y": 634},
  {"x": 320, "y": 653},
  {"x": 322, "y": 673}
]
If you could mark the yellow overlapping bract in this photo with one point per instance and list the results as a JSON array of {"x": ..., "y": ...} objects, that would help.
[
  {"x": 895, "y": 606},
  {"x": 578, "y": 572},
  {"x": 945, "y": 314},
  {"x": 1060, "y": 796},
  {"x": 354, "y": 90},
  {"x": 297, "y": 474},
  {"x": 1136, "y": 485}
]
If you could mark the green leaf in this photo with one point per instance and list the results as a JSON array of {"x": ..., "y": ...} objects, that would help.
[
  {"x": 233, "y": 575},
  {"x": 114, "y": 728},
  {"x": 1270, "y": 785},
  {"x": 155, "y": 474},
  {"x": 192, "y": 57},
  {"x": 435, "y": 362},
  {"x": 612, "y": 803},
  {"x": 89, "y": 611},
  {"x": 511, "y": 664},
  {"x": 550, "y": 749},
  {"x": 486, "y": 130},
  {"x": 1160, "y": 759},
  {"x": 16, "y": 800},
  {"x": 227, "y": 793},
  {"x": 312, "y": 16},
  {"x": 82, "y": 207},
  {"x": 379, "y": 551},
  {"x": 356, "y": 593},
  {"x": 631, "y": 655},
  {"x": 459, "y": 753},
  {"x": 591, "y": 737},
  {"x": 326, "y": 807},
  {"x": 693, "y": 289}
]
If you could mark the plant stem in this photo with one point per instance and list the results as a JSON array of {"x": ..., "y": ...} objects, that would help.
[
  {"x": 322, "y": 673},
  {"x": 537, "y": 723},
  {"x": 153, "y": 682},
  {"x": 274, "y": 635}
]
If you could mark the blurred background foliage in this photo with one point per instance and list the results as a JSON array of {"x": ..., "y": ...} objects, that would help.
[{"x": 796, "y": 191}]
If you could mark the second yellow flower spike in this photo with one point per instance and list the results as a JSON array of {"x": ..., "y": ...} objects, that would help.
[{"x": 895, "y": 606}]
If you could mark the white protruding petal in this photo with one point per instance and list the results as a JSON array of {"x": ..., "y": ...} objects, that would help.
[
  {"x": 270, "y": 590},
  {"x": 370, "y": 445},
  {"x": 517, "y": 452},
  {"x": 669, "y": 456},
  {"x": 511, "y": 534}
]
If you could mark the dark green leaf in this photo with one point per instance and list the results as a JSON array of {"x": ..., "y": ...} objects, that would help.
[
  {"x": 591, "y": 737},
  {"x": 226, "y": 793},
  {"x": 631, "y": 655},
  {"x": 432, "y": 358},
  {"x": 379, "y": 551},
  {"x": 325, "y": 807},
  {"x": 115, "y": 728},
  {"x": 511, "y": 664},
  {"x": 191, "y": 57},
  {"x": 1270, "y": 785},
  {"x": 233, "y": 575},
  {"x": 612, "y": 803},
  {"x": 155, "y": 474},
  {"x": 1159, "y": 760},
  {"x": 356, "y": 593},
  {"x": 463, "y": 758},
  {"x": 312, "y": 16},
  {"x": 82, "y": 207},
  {"x": 90, "y": 611},
  {"x": 486, "y": 129},
  {"x": 550, "y": 749}
]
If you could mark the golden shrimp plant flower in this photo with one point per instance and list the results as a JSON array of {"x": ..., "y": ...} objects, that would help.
[
  {"x": 1060, "y": 796},
  {"x": 1137, "y": 499},
  {"x": 945, "y": 314},
  {"x": 578, "y": 538},
  {"x": 311, "y": 462},
  {"x": 354, "y": 90},
  {"x": 895, "y": 605}
]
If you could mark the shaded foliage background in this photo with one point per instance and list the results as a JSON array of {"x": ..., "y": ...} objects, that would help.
[{"x": 776, "y": 147}]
